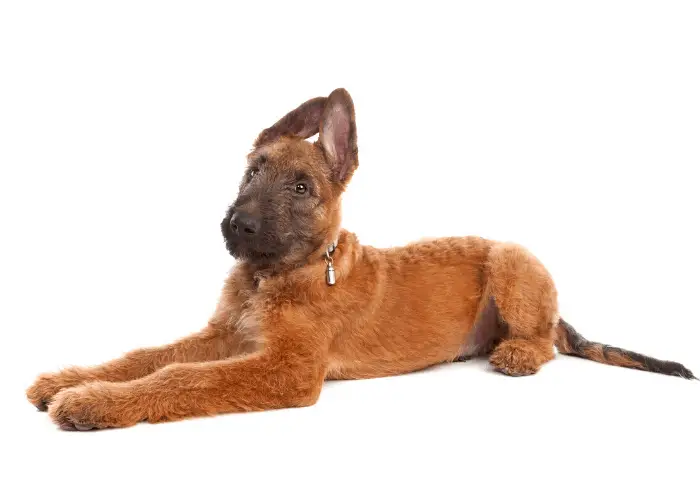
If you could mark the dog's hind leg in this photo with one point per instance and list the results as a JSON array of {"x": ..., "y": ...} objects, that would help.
[{"x": 526, "y": 298}]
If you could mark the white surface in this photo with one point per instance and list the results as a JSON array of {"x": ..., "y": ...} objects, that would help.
[{"x": 573, "y": 130}]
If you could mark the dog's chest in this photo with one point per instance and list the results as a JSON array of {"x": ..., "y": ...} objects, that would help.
[
  {"x": 248, "y": 324},
  {"x": 257, "y": 309},
  {"x": 249, "y": 316}
]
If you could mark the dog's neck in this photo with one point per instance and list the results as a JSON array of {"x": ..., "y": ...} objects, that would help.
[
  {"x": 330, "y": 248},
  {"x": 321, "y": 253}
]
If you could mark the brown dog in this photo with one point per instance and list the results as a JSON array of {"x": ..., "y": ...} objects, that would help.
[{"x": 306, "y": 302}]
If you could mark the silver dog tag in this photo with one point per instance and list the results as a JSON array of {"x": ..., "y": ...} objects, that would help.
[{"x": 330, "y": 274}]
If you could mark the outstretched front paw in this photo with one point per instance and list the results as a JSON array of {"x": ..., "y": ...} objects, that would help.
[
  {"x": 97, "y": 405},
  {"x": 46, "y": 386}
]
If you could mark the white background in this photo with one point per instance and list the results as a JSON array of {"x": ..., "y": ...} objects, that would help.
[{"x": 572, "y": 128}]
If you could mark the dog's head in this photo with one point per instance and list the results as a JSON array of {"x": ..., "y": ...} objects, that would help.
[{"x": 288, "y": 203}]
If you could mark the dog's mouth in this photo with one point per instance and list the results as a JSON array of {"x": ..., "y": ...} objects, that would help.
[
  {"x": 256, "y": 255},
  {"x": 258, "y": 250},
  {"x": 242, "y": 249}
]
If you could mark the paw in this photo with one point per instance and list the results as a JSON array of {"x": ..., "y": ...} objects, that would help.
[
  {"x": 46, "y": 386},
  {"x": 90, "y": 406},
  {"x": 518, "y": 358}
]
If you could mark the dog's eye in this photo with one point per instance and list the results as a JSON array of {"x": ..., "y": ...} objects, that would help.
[
  {"x": 300, "y": 188},
  {"x": 252, "y": 173}
]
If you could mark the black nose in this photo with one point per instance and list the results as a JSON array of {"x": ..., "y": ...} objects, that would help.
[{"x": 245, "y": 224}]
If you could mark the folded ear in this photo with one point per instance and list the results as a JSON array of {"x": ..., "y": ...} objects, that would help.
[
  {"x": 337, "y": 134},
  {"x": 302, "y": 122}
]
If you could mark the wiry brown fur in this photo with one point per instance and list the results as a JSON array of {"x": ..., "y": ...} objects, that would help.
[{"x": 279, "y": 330}]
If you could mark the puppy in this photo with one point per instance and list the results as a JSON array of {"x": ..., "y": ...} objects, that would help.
[{"x": 307, "y": 302}]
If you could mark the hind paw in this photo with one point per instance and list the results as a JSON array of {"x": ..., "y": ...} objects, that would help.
[{"x": 519, "y": 357}]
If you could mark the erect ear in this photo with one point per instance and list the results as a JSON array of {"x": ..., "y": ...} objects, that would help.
[
  {"x": 302, "y": 122},
  {"x": 338, "y": 135}
]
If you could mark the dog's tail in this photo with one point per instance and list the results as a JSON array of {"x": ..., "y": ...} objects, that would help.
[{"x": 569, "y": 341}]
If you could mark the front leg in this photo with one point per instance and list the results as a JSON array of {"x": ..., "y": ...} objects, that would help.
[
  {"x": 265, "y": 380},
  {"x": 212, "y": 343}
]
